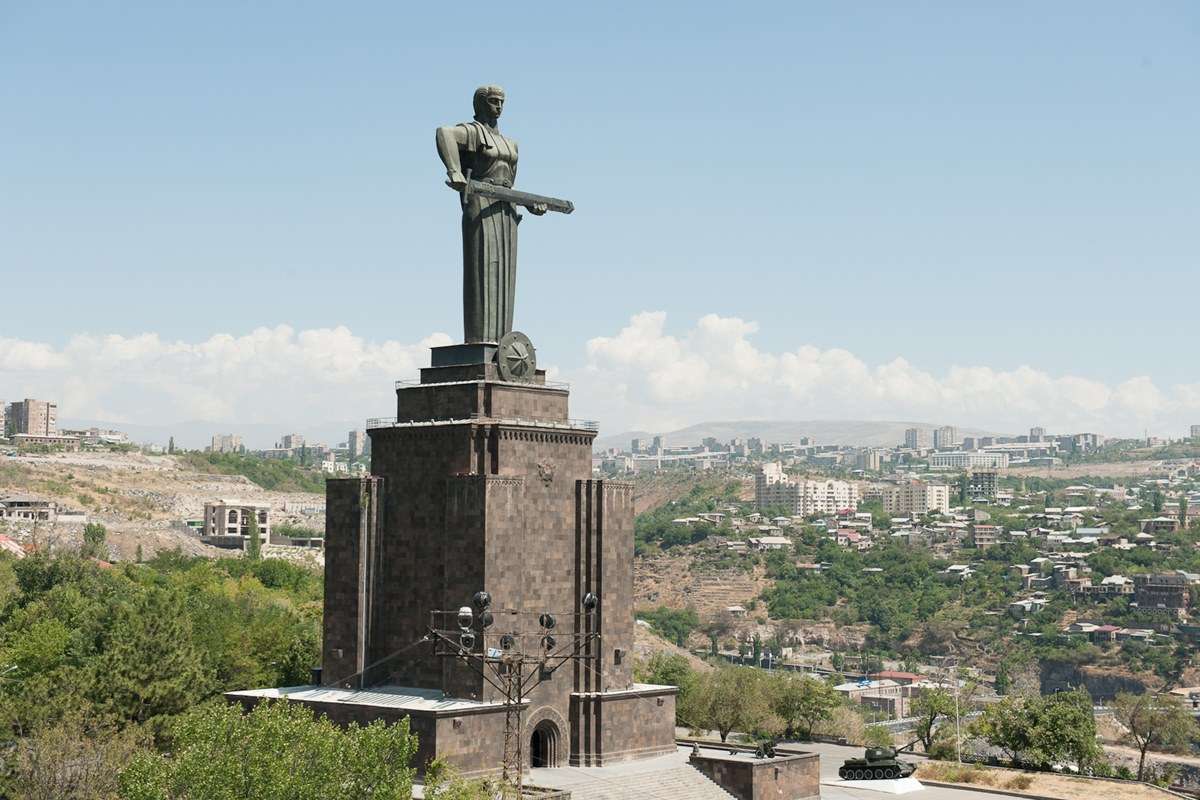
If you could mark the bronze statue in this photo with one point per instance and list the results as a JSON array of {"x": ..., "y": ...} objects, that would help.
[{"x": 481, "y": 164}]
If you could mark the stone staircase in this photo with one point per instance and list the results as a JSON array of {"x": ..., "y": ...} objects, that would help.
[{"x": 666, "y": 778}]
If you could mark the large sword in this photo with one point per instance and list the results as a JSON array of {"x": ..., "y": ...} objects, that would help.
[{"x": 526, "y": 199}]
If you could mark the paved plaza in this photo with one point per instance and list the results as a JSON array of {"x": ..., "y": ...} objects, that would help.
[{"x": 670, "y": 777}]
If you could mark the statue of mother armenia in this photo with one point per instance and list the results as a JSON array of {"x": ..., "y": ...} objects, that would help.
[{"x": 481, "y": 164}]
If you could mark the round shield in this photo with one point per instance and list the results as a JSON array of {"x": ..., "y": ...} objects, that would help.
[{"x": 516, "y": 358}]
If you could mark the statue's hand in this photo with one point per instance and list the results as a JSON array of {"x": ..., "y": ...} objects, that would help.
[
  {"x": 537, "y": 209},
  {"x": 457, "y": 184}
]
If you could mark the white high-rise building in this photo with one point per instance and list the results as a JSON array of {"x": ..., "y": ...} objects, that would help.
[
  {"x": 802, "y": 497},
  {"x": 945, "y": 437},
  {"x": 916, "y": 438},
  {"x": 913, "y": 498},
  {"x": 958, "y": 459}
]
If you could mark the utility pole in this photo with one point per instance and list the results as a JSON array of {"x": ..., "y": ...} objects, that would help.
[{"x": 514, "y": 661}]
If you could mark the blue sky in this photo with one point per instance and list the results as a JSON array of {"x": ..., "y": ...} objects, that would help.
[{"x": 958, "y": 185}]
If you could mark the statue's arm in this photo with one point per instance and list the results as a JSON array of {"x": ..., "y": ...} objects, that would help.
[{"x": 449, "y": 139}]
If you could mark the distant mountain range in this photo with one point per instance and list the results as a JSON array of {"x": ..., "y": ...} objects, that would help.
[{"x": 857, "y": 433}]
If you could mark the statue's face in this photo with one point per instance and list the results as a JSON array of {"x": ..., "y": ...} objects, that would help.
[{"x": 495, "y": 105}]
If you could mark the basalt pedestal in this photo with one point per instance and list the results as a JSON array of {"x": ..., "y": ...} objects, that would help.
[{"x": 481, "y": 484}]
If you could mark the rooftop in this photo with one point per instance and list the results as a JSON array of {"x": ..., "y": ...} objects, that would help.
[{"x": 406, "y": 697}]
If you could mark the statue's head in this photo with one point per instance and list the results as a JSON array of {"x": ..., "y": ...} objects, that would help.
[{"x": 489, "y": 102}]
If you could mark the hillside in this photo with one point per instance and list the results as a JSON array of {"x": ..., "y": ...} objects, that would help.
[
  {"x": 859, "y": 433},
  {"x": 142, "y": 500}
]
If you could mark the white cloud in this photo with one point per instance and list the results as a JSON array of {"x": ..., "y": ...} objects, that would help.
[
  {"x": 642, "y": 377},
  {"x": 650, "y": 379},
  {"x": 270, "y": 375}
]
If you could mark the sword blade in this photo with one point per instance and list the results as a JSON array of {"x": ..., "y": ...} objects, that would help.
[{"x": 525, "y": 199}]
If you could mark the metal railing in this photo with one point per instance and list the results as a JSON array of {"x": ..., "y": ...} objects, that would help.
[
  {"x": 406, "y": 383},
  {"x": 375, "y": 423}
]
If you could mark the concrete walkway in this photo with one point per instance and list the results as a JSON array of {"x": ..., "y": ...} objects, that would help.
[{"x": 668, "y": 777}]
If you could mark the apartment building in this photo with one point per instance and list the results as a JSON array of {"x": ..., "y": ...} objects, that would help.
[
  {"x": 984, "y": 536},
  {"x": 981, "y": 485},
  {"x": 32, "y": 418},
  {"x": 916, "y": 439},
  {"x": 959, "y": 459},
  {"x": 913, "y": 498},
  {"x": 772, "y": 487},
  {"x": 1163, "y": 592},
  {"x": 945, "y": 437},
  {"x": 226, "y": 443},
  {"x": 358, "y": 444}
]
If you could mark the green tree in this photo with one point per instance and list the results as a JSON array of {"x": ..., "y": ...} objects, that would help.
[
  {"x": 1003, "y": 680},
  {"x": 253, "y": 538},
  {"x": 149, "y": 668},
  {"x": 930, "y": 706},
  {"x": 171, "y": 446},
  {"x": 673, "y": 624},
  {"x": 802, "y": 702},
  {"x": 878, "y": 736},
  {"x": 94, "y": 535},
  {"x": 276, "y": 752},
  {"x": 1004, "y": 726},
  {"x": 1158, "y": 721},
  {"x": 729, "y": 699},
  {"x": 1183, "y": 507},
  {"x": 1065, "y": 730},
  {"x": 671, "y": 669},
  {"x": 1043, "y": 730}
]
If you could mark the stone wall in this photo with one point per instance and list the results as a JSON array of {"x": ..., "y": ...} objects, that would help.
[
  {"x": 350, "y": 531},
  {"x": 785, "y": 777},
  {"x": 619, "y": 726}
]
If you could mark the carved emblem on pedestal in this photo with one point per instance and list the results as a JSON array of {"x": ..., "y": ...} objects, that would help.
[
  {"x": 546, "y": 472},
  {"x": 516, "y": 358}
]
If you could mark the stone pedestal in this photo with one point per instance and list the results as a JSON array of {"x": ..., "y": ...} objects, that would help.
[{"x": 480, "y": 484}]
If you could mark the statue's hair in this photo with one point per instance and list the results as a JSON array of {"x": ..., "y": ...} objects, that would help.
[{"x": 482, "y": 94}]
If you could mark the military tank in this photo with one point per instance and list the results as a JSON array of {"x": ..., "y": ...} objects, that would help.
[{"x": 877, "y": 763}]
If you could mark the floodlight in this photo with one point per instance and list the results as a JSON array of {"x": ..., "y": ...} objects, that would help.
[
  {"x": 465, "y": 618},
  {"x": 589, "y": 602},
  {"x": 547, "y": 621},
  {"x": 486, "y": 619},
  {"x": 466, "y": 640},
  {"x": 482, "y": 600},
  {"x": 508, "y": 641},
  {"x": 548, "y": 642}
]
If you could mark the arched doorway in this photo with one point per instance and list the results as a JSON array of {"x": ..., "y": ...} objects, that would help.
[{"x": 543, "y": 745}]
